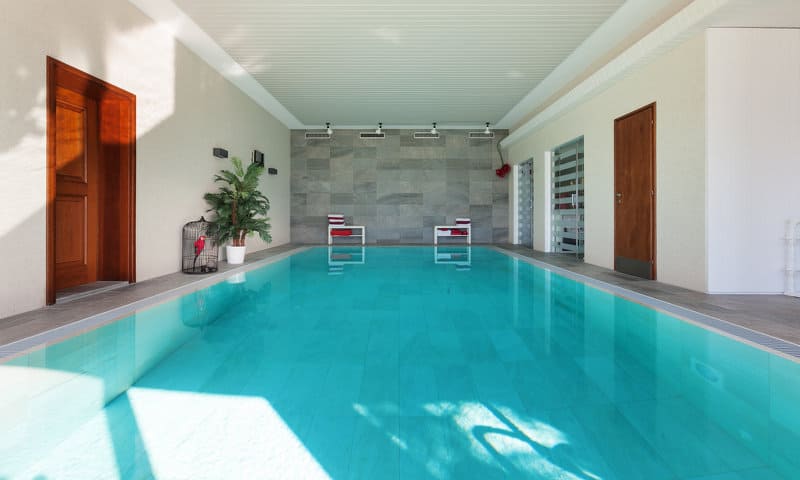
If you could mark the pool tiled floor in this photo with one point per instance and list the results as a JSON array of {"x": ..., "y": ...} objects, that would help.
[{"x": 425, "y": 373}]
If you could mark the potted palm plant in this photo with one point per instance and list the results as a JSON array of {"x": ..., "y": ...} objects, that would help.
[{"x": 238, "y": 209}]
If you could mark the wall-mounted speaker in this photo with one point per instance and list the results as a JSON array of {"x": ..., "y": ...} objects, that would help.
[
  {"x": 220, "y": 152},
  {"x": 272, "y": 171},
  {"x": 258, "y": 158}
]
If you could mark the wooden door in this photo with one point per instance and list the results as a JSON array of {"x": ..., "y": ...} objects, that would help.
[
  {"x": 91, "y": 180},
  {"x": 635, "y": 201},
  {"x": 76, "y": 197}
]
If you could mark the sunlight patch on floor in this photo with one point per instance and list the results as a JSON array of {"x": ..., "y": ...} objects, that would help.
[{"x": 195, "y": 435}]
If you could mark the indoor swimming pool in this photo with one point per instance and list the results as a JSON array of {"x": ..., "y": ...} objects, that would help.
[{"x": 400, "y": 363}]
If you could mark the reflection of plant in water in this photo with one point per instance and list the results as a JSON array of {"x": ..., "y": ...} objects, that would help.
[
  {"x": 196, "y": 314},
  {"x": 204, "y": 307}
]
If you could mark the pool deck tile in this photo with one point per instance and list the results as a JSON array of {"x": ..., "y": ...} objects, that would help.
[{"x": 774, "y": 315}]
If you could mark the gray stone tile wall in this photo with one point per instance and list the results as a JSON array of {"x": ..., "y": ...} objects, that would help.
[{"x": 398, "y": 187}]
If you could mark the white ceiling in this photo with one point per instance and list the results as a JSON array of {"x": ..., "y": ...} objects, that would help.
[
  {"x": 408, "y": 63},
  {"x": 357, "y": 62}
]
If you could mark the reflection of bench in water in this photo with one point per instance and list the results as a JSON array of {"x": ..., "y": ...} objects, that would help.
[
  {"x": 461, "y": 257},
  {"x": 338, "y": 257}
]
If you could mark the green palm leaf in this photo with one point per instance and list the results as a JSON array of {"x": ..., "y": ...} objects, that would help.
[{"x": 238, "y": 208}]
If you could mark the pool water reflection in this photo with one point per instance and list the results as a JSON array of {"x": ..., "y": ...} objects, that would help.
[{"x": 401, "y": 366}]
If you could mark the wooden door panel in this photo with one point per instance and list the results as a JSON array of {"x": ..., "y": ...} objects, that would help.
[
  {"x": 634, "y": 200},
  {"x": 91, "y": 180},
  {"x": 70, "y": 141},
  {"x": 71, "y": 230},
  {"x": 76, "y": 201}
]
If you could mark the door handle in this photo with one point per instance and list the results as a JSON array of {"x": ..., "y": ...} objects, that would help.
[{"x": 619, "y": 197}]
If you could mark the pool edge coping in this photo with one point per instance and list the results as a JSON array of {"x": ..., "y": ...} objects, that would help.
[
  {"x": 763, "y": 341},
  {"x": 16, "y": 348}
]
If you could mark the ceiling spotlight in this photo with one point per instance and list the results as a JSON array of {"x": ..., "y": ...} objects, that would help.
[
  {"x": 328, "y": 128},
  {"x": 433, "y": 130},
  {"x": 488, "y": 130},
  {"x": 380, "y": 128}
]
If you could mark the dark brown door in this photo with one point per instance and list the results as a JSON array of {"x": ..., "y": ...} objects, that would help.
[
  {"x": 635, "y": 200},
  {"x": 76, "y": 200},
  {"x": 90, "y": 180}
]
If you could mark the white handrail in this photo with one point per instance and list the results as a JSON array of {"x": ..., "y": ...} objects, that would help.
[{"x": 792, "y": 238}]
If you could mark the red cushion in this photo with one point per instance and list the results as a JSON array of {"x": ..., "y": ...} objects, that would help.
[
  {"x": 341, "y": 232},
  {"x": 458, "y": 231}
]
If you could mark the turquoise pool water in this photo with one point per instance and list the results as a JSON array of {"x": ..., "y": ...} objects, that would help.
[{"x": 400, "y": 363}]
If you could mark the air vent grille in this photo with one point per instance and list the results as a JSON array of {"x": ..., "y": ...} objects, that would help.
[
  {"x": 479, "y": 135},
  {"x": 426, "y": 135},
  {"x": 317, "y": 136},
  {"x": 372, "y": 135}
]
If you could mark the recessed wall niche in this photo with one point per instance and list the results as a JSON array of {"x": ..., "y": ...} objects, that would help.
[{"x": 398, "y": 187}]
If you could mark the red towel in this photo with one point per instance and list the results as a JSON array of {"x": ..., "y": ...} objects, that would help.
[
  {"x": 341, "y": 232},
  {"x": 458, "y": 231}
]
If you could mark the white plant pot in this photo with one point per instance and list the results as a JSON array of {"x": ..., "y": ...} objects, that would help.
[{"x": 235, "y": 255}]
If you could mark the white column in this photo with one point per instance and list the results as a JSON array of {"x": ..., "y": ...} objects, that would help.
[
  {"x": 514, "y": 230},
  {"x": 548, "y": 195}
]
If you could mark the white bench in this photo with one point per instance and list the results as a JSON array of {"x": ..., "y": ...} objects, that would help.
[
  {"x": 447, "y": 231},
  {"x": 347, "y": 227}
]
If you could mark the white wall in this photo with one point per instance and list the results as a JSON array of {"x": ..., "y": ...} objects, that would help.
[
  {"x": 753, "y": 155},
  {"x": 676, "y": 82},
  {"x": 184, "y": 108}
]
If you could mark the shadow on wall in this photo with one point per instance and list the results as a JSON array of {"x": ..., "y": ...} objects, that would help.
[
  {"x": 166, "y": 112},
  {"x": 399, "y": 188},
  {"x": 184, "y": 108}
]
